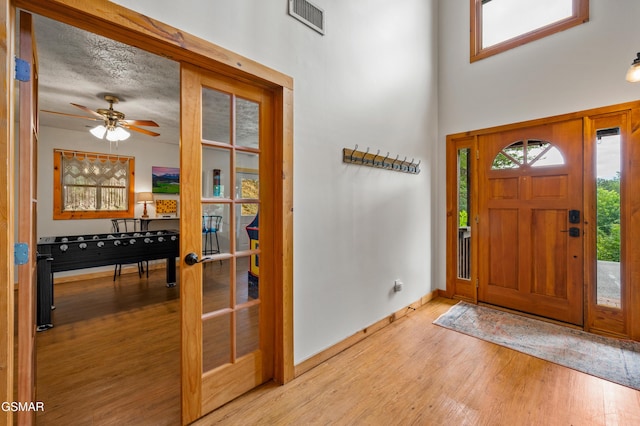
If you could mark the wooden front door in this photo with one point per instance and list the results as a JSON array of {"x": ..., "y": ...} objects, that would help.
[
  {"x": 227, "y": 302},
  {"x": 530, "y": 222}
]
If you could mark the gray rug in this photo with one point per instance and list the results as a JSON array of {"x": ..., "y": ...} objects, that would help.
[{"x": 614, "y": 360}]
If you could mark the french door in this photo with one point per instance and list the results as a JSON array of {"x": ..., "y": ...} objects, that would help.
[
  {"x": 530, "y": 225},
  {"x": 27, "y": 203},
  {"x": 226, "y": 300}
]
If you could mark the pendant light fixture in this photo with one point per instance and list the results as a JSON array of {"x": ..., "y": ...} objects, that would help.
[{"x": 633, "y": 74}]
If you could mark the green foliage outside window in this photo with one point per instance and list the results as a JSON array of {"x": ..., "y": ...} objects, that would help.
[
  {"x": 608, "y": 242},
  {"x": 464, "y": 218},
  {"x": 463, "y": 186}
]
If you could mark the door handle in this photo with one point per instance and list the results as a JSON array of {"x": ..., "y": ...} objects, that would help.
[
  {"x": 192, "y": 259},
  {"x": 573, "y": 231}
]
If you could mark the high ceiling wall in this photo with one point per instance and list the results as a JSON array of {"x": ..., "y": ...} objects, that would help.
[
  {"x": 581, "y": 68},
  {"x": 370, "y": 81}
]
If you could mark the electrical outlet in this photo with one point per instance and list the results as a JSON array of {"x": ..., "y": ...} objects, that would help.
[{"x": 397, "y": 285}]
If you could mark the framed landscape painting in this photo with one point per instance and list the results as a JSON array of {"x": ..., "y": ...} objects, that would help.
[{"x": 165, "y": 180}]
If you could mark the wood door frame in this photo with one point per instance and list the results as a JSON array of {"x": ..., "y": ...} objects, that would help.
[
  {"x": 456, "y": 287},
  {"x": 629, "y": 319},
  {"x": 27, "y": 203},
  {"x": 118, "y": 23},
  {"x": 7, "y": 210}
]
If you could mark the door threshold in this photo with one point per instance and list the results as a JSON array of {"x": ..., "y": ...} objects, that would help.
[{"x": 532, "y": 316}]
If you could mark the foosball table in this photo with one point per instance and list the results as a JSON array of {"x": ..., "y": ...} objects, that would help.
[{"x": 57, "y": 254}]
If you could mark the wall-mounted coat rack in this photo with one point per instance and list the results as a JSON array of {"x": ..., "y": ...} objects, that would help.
[{"x": 380, "y": 161}]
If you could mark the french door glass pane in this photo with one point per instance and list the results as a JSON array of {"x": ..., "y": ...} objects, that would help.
[
  {"x": 216, "y": 116},
  {"x": 216, "y": 341},
  {"x": 247, "y": 123},
  {"x": 216, "y": 179},
  {"x": 216, "y": 223},
  {"x": 247, "y": 332},
  {"x": 247, "y": 226},
  {"x": 216, "y": 285},
  {"x": 246, "y": 280},
  {"x": 247, "y": 176}
]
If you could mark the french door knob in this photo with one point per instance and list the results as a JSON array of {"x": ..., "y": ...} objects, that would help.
[{"x": 192, "y": 259}]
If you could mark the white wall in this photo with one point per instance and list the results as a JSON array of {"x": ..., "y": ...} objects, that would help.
[
  {"x": 371, "y": 80},
  {"x": 577, "y": 69}
]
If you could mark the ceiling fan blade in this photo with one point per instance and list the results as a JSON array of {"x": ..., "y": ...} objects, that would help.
[
  {"x": 139, "y": 129},
  {"x": 140, "y": 123},
  {"x": 73, "y": 115},
  {"x": 85, "y": 109}
]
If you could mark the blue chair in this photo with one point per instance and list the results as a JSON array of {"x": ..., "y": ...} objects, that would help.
[{"x": 210, "y": 227}]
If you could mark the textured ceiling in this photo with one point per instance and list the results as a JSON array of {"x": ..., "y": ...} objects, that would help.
[{"x": 81, "y": 67}]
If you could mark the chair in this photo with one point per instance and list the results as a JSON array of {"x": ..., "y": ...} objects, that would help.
[
  {"x": 210, "y": 227},
  {"x": 127, "y": 225}
]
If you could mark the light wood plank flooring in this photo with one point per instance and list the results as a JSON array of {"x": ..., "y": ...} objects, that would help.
[
  {"x": 113, "y": 355},
  {"x": 415, "y": 373},
  {"x": 113, "y": 359}
]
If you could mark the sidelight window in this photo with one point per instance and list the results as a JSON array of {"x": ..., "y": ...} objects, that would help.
[
  {"x": 608, "y": 205},
  {"x": 464, "y": 205}
]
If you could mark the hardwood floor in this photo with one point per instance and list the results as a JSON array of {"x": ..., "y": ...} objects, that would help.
[
  {"x": 113, "y": 355},
  {"x": 413, "y": 372},
  {"x": 113, "y": 359}
]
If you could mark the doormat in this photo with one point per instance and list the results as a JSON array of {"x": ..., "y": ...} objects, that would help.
[{"x": 611, "y": 359}]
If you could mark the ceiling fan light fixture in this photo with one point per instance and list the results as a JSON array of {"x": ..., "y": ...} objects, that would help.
[
  {"x": 117, "y": 134},
  {"x": 122, "y": 133},
  {"x": 113, "y": 122},
  {"x": 98, "y": 131}
]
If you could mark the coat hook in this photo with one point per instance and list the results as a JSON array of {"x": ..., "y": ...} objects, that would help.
[
  {"x": 364, "y": 160},
  {"x": 412, "y": 167},
  {"x": 353, "y": 152},
  {"x": 374, "y": 158},
  {"x": 384, "y": 160},
  {"x": 394, "y": 162}
]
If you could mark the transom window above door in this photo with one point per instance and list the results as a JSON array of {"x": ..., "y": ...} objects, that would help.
[
  {"x": 529, "y": 152},
  {"x": 499, "y": 25}
]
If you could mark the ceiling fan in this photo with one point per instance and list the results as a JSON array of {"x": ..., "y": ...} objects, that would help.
[{"x": 114, "y": 121}]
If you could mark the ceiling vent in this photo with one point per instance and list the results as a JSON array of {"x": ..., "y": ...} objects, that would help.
[{"x": 307, "y": 13}]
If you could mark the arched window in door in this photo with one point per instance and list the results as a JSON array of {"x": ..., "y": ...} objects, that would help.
[{"x": 528, "y": 152}]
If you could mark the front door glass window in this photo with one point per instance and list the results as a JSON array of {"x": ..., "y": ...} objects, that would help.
[{"x": 531, "y": 152}]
